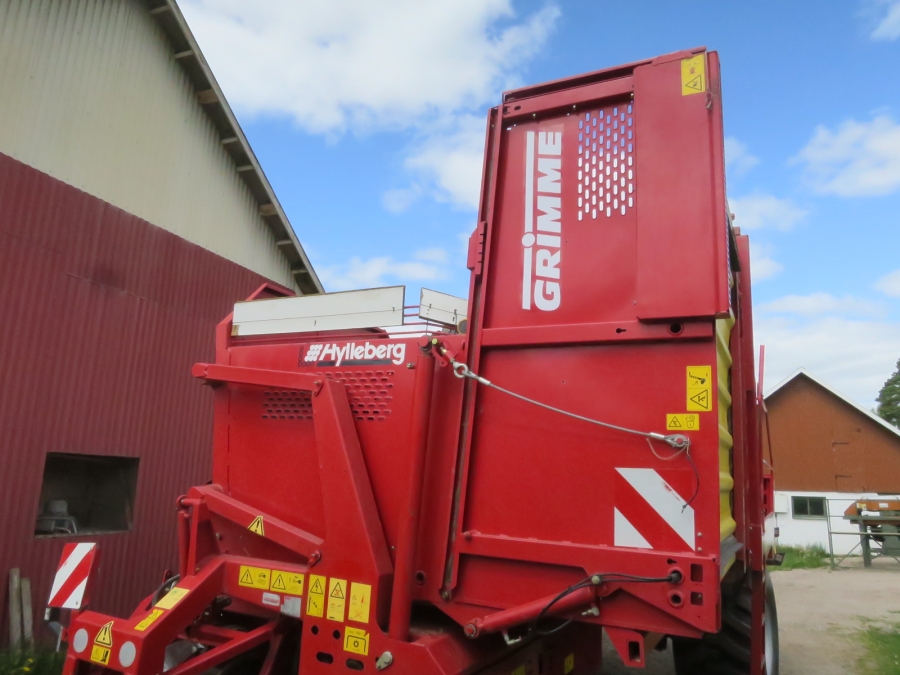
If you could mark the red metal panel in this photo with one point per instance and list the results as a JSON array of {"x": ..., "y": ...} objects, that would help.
[
  {"x": 602, "y": 214},
  {"x": 681, "y": 223},
  {"x": 103, "y": 317}
]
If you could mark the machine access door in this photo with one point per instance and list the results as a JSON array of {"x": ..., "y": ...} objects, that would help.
[{"x": 598, "y": 274}]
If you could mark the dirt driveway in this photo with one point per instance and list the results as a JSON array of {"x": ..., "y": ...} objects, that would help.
[{"x": 819, "y": 612}]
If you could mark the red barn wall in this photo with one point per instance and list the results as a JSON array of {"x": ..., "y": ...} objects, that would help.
[
  {"x": 102, "y": 316},
  {"x": 820, "y": 443}
]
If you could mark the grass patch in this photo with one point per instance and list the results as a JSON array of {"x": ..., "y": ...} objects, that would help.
[
  {"x": 28, "y": 662},
  {"x": 796, "y": 557},
  {"x": 884, "y": 649}
]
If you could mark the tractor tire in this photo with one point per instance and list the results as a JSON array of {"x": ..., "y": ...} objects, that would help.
[{"x": 728, "y": 651}]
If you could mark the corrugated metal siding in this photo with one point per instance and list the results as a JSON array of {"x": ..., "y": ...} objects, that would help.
[
  {"x": 103, "y": 315},
  {"x": 820, "y": 443},
  {"x": 91, "y": 95}
]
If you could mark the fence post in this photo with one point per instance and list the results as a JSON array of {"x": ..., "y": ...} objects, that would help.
[
  {"x": 15, "y": 609},
  {"x": 27, "y": 614},
  {"x": 828, "y": 525}
]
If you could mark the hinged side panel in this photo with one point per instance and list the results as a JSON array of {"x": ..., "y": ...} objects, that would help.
[{"x": 681, "y": 222}]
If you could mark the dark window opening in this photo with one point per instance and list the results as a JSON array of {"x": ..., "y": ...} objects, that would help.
[
  {"x": 808, "y": 507},
  {"x": 86, "y": 494}
]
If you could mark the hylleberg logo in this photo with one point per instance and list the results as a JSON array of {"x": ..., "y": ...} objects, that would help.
[
  {"x": 540, "y": 271},
  {"x": 353, "y": 353}
]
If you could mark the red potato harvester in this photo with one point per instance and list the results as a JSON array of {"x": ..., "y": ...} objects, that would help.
[{"x": 575, "y": 449}]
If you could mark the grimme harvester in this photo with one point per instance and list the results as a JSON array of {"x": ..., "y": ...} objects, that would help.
[{"x": 575, "y": 449}]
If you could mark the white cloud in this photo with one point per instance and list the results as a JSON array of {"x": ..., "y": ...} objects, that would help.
[
  {"x": 335, "y": 65},
  {"x": 427, "y": 265},
  {"x": 757, "y": 211},
  {"x": 889, "y": 26},
  {"x": 854, "y": 356},
  {"x": 452, "y": 161},
  {"x": 818, "y": 304},
  {"x": 857, "y": 159},
  {"x": 737, "y": 158},
  {"x": 400, "y": 199},
  {"x": 762, "y": 265},
  {"x": 435, "y": 255},
  {"x": 366, "y": 65},
  {"x": 889, "y": 284}
]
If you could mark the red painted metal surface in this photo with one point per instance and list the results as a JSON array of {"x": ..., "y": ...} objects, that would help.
[
  {"x": 377, "y": 481},
  {"x": 103, "y": 316}
]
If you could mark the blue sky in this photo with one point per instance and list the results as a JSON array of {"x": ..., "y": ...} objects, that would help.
[{"x": 368, "y": 118}]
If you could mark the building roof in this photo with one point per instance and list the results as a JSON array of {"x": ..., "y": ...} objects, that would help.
[
  {"x": 186, "y": 52},
  {"x": 846, "y": 399}
]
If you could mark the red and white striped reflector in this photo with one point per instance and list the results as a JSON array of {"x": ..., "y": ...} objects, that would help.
[
  {"x": 650, "y": 513},
  {"x": 75, "y": 566}
]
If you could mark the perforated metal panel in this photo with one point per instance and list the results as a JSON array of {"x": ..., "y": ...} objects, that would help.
[
  {"x": 369, "y": 392},
  {"x": 606, "y": 162}
]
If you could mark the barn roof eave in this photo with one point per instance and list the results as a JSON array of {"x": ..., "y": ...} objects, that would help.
[{"x": 846, "y": 399}]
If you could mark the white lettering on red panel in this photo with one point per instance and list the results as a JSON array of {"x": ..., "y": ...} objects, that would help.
[
  {"x": 542, "y": 239},
  {"x": 356, "y": 354}
]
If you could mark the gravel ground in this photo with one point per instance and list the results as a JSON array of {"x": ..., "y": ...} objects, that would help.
[{"x": 819, "y": 613}]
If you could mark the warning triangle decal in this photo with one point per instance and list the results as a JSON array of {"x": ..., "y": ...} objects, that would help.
[
  {"x": 104, "y": 637},
  {"x": 674, "y": 424},
  {"x": 247, "y": 579},
  {"x": 337, "y": 592},
  {"x": 278, "y": 584},
  {"x": 701, "y": 399},
  {"x": 257, "y": 526},
  {"x": 317, "y": 588},
  {"x": 694, "y": 84}
]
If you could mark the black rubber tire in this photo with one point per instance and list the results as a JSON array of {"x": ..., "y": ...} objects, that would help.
[{"x": 728, "y": 651}]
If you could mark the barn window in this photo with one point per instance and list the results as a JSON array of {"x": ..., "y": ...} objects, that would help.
[
  {"x": 808, "y": 507},
  {"x": 86, "y": 494}
]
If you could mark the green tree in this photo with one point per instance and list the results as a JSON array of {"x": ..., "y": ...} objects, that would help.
[{"x": 889, "y": 399}]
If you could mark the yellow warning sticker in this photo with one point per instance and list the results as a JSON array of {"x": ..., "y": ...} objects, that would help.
[
  {"x": 360, "y": 599},
  {"x": 356, "y": 640},
  {"x": 569, "y": 664},
  {"x": 287, "y": 582},
  {"x": 693, "y": 75},
  {"x": 104, "y": 636},
  {"x": 681, "y": 422},
  {"x": 337, "y": 599},
  {"x": 100, "y": 655},
  {"x": 257, "y": 526},
  {"x": 149, "y": 619},
  {"x": 254, "y": 577},
  {"x": 699, "y": 388},
  {"x": 315, "y": 603},
  {"x": 172, "y": 598}
]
